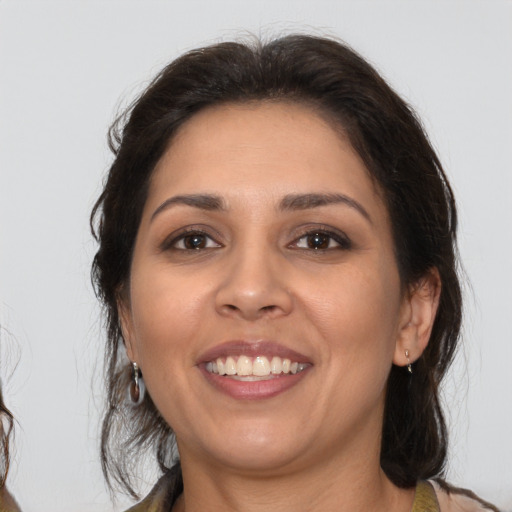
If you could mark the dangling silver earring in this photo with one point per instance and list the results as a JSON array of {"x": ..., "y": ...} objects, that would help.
[
  {"x": 136, "y": 388},
  {"x": 409, "y": 366}
]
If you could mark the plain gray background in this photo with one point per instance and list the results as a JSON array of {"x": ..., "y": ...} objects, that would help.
[{"x": 65, "y": 67}]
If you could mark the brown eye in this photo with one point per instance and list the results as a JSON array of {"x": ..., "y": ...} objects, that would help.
[
  {"x": 194, "y": 242},
  {"x": 322, "y": 241},
  {"x": 318, "y": 241}
]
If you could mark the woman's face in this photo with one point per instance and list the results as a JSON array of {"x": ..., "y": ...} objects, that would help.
[{"x": 265, "y": 251}]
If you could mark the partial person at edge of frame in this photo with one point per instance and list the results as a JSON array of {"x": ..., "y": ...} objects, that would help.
[
  {"x": 7, "y": 502},
  {"x": 277, "y": 254}
]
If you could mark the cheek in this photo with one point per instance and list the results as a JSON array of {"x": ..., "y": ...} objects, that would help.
[
  {"x": 166, "y": 313},
  {"x": 356, "y": 313}
]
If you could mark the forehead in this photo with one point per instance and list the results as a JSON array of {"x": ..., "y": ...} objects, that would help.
[{"x": 261, "y": 149}]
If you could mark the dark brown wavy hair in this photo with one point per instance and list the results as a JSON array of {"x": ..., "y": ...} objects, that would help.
[
  {"x": 329, "y": 77},
  {"x": 6, "y": 428}
]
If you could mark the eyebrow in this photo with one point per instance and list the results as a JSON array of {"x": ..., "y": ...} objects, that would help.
[
  {"x": 307, "y": 201},
  {"x": 207, "y": 202},
  {"x": 290, "y": 202}
]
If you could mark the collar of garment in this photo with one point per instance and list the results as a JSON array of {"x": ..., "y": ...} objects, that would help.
[{"x": 170, "y": 486}]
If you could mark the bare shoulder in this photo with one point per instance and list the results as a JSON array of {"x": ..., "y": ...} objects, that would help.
[{"x": 460, "y": 501}]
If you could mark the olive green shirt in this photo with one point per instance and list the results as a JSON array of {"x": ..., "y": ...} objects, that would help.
[{"x": 166, "y": 492}]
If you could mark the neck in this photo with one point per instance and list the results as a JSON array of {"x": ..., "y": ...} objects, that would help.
[{"x": 355, "y": 485}]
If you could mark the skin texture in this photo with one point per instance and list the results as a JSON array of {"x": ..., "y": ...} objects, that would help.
[{"x": 256, "y": 278}]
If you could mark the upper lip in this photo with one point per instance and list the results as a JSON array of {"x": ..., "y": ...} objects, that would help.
[{"x": 252, "y": 349}]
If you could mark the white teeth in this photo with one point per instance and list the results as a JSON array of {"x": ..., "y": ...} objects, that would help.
[
  {"x": 220, "y": 367},
  {"x": 230, "y": 366},
  {"x": 261, "y": 366},
  {"x": 244, "y": 366},
  {"x": 254, "y": 369},
  {"x": 276, "y": 365}
]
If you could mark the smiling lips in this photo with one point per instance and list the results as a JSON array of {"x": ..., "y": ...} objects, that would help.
[{"x": 253, "y": 370}]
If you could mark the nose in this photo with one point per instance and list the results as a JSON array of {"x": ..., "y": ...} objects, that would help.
[{"x": 254, "y": 286}]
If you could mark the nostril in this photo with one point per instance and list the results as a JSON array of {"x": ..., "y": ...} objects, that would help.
[
  {"x": 248, "y": 311},
  {"x": 264, "y": 308}
]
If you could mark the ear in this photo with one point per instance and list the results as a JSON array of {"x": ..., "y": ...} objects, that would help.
[
  {"x": 126, "y": 322},
  {"x": 419, "y": 308}
]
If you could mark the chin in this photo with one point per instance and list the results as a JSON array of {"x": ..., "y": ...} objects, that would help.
[{"x": 251, "y": 448}]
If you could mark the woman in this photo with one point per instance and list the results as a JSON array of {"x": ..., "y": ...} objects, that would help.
[
  {"x": 7, "y": 502},
  {"x": 277, "y": 261}
]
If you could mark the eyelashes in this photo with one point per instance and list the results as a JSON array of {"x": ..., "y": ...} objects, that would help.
[
  {"x": 190, "y": 239},
  {"x": 322, "y": 240},
  {"x": 317, "y": 239},
  {"x": 195, "y": 241}
]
